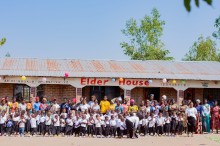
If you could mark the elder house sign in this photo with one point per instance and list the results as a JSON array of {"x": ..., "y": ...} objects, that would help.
[{"x": 124, "y": 82}]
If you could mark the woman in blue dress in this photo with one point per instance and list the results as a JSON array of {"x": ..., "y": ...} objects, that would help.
[{"x": 206, "y": 116}]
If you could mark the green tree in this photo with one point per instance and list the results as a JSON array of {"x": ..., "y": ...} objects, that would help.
[
  {"x": 187, "y": 3},
  {"x": 216, "y": 34},
  {"x": 203, "y": 50},
  {"x": 144, "y": 38},
  {"x": 2, "y": 41}
]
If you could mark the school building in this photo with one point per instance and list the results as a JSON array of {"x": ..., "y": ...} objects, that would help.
[{"x": 70, "y": 78}]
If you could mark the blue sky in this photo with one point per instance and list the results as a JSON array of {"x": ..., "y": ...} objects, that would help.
[{"x": 91, "y": 29}]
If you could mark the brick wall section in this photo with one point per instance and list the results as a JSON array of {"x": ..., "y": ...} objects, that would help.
[
  {"x": 137, "y": 94},
  {"x": 169, "y": 92},
  {"x": 59, "y": 92},
  {"x": 199, "y": 94},
  {"x": 6, "y": 90}
]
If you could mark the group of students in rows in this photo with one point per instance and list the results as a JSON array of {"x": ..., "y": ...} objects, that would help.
[{"x": 115, "y": 118}]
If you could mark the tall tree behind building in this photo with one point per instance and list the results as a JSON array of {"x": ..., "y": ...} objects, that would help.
[
  {"x": 144, "y": 38},
  {"x": 204, "y": 49}
]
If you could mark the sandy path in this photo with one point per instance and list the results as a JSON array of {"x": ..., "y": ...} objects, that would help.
[{"x": 197, "y": 140}]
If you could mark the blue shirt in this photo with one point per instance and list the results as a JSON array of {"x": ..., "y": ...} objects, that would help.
[
  {"x": 199, "y": 109},
  {"x": 120, "y": 108},
  {"x": 9, "y": 123},
  {"x": 37, "y": 106}
]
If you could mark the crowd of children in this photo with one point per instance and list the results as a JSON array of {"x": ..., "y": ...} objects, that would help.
[{"x": 106, "y": 119}]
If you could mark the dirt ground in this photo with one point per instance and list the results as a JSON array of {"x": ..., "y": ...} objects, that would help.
[{"x": 197, "y": 140}]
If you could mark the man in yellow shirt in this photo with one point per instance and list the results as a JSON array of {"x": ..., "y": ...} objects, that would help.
[{"x": 104, "y": 105}]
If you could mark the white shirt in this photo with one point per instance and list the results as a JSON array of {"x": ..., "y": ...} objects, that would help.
[
  {"x": 69, "y": 122},
  {"x": 145, "y": 122},
  {"x": 167, "y": 120},
  {"x": 112, "y": 123},
  {"x": 64, "y": 115},
  {"x": 3, "y": 119},
  {"x": 48, "y": 120},
  {"x": 22, "y": 123},
  {"x": 77, "y": 123},
  {"x": 118, "y": 122},
  {"x": 22, "y": 107},
  {"x": 122, "y": 126},
  {"x": 152, "y": 122},
  {"x": 97, "y": 123},
  {"x": 16, "y": 119},
  {"x": 33, "y": 122},
  {"x": 56, "y": 107},
  {"x": 83, "y": 123},
  {"x": 62, "y": 122},
  {"x": 84, "y": 107},
  {"x": 134, "y": 120},
  {"x": 191, "y": 112},
  {"x": 160, "y": 121},
  {"x": 91, "y": 122},
  {"x": 56, "y": 121},
  {"x": 42, "y": 119}
]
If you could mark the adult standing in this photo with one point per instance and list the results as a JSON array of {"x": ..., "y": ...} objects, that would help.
[
  {"x": 125, "y": 105},
  {"x": 132, "y": 107},
  {"x": 95, "y": 107},
  {"x": 104, "y": 105},
  {"x": 191, "y": 113},
  {"x": 206, "y": 116},
  {"x": 119, "y": 107},
  {"x": 132, "y": 124},
  {"x": 37, "y": 104},
  {"x": 22, "y": 105},
  {"x": 92, "y": 102},
  {"x": 84, "y": 106},
  {"x": 4, "y": 106},
  {"x": 215, "y": 117}
]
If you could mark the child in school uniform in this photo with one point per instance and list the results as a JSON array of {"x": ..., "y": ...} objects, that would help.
[
  {"x": 9, "y": 125},
  {"x": 48, "y": 122},
  {"x": 69, "y": 125},
  {"x": 33, "y": 122},
  {"x": 123, "y": 128},
  {"x": 145, "y": 124},
  {"x": 3, "y": 119},
  {"x": 62, "y": 124},
  {"x": 160, "y": 123},
  {"x": 42, "y": 120},
  {"x": 103, "y": 124},
  {"x": 77, "y": 126},
  {"x": 118, "y": 124},
  {"x": 21, "y": 124},
  {"x": 27, "y": 124},
  {"x": 173, "y": 124},
  {"x": 107, "y": 126},
  {"x": 15, "y": 118},
  {"x": 64, "y": 114},
  {"x": 38, "y": 120},
  {"x": 167, "y": 121},
  {"x": 140, "y": 126},
  {"x": 113, "y": 125},
  {"x": 98, "y": 128},
  {"x": 180, "y": 124},
  {"x": 83, "y": 126},
  {"x": 56, "y": 125},
  {"x": 90, "y": 128},
  {"x": 152, "y": 122}
]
